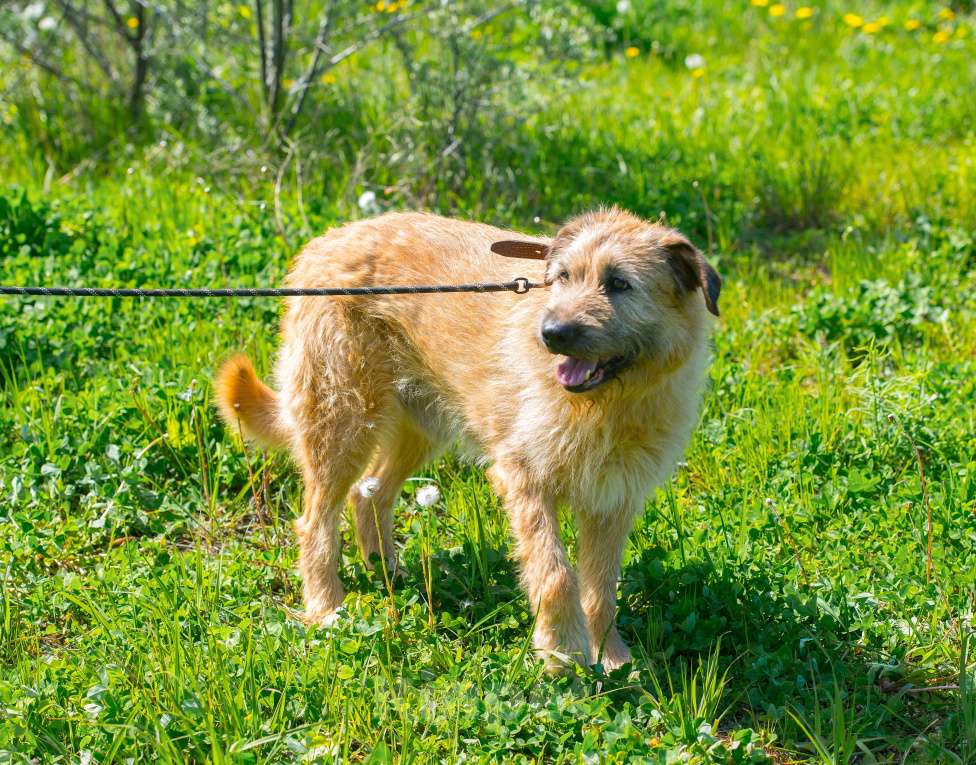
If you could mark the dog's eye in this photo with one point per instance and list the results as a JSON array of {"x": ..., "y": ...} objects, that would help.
[
  {"x": 619, "y": 285},
  {"x": 564, "y": 276}
]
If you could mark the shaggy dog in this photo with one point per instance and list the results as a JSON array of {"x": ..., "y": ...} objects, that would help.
[{"x": 583, "y": 394}]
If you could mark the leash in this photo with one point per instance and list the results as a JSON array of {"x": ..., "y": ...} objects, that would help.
[{"x": 519, "y": 286}]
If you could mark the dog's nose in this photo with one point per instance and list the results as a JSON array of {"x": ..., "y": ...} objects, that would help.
[{"x": 560, "y": 335}]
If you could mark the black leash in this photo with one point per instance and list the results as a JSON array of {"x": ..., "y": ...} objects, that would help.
[{"x": 519, "y": 286}]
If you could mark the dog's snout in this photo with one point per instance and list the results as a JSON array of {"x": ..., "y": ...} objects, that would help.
[{"x": 560, "y": 335}]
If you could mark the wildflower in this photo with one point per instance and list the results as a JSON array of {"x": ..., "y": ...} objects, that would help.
[
  {"x": 947, "y": 13},
  {"x": 132, "y": 22},
  {"x": 47, "y": 24},
  {"x": 632, "y": 52},
  {"x": 884, "y": 21},
  {"x": 776, "y": 10},
  {"x": 912, "y": 24},
  {"x": 428, "y": 495},
  {"x": 695, "y": 61},
  {"x": 940, "y": 37},
  {"x": 368, "y": 487},
  {"x": 288, "y": 82},
  {"x": 760, "y": 3},
  {"x": 804, "y": 12},
  {"x": 696, "y": 73},
  {"x": 328, "y": 79},
  {"x": 244, "y": 11},
  {"x": 871, "y": 27},
  {"x": 853, "y": 20},
  {"x": 623, "y": 7},
  {"x": 476, "y": 34},
  {"x": 962, "y": 32},
  {"x": 367, "y": 202}
]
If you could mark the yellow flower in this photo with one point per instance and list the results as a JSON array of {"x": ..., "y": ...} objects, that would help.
[
  {"x": 697, "y": 73},
  {"x": 132, "y": 22},
  {"x": 287, "y": 82},
  {"x": 853, "y": 20},
  {"x": 940, "y": 37},
  {"x": 328, "y": 79},
  {"x": 760, "y": 3},
  {"x": 380, "y": 6},
  {"x": 476, "y": 34},
  {"x": 632, "y": 52},
  {"x": 912, "y": 24},
  {"x": 871, "y": 27},
  {"x": 805, "y": 12},
  {"x": 962, "y": 32},
  {"x": 776, "y": 10},
  {"x": 947, "y": 13},
  {"x": 884, "y": 21},
  {"x": 244, "y": 11},
  {"x": 654, "y": 741}
]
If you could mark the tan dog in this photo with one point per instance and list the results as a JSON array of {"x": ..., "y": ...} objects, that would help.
[{"x": 583, "y": 394}]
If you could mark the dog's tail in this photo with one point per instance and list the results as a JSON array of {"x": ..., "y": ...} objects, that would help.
[{"x": 247, "y": 404}]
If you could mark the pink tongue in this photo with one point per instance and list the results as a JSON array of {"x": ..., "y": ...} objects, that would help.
[{"x": 572, "y": 372}]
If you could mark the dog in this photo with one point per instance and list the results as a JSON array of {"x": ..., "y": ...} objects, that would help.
[{"x": 583, "y": 394}]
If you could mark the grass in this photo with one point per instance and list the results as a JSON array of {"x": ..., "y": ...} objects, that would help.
[{"x": 801, "y": 591}]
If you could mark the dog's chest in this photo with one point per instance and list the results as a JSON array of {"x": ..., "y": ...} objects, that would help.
[{"x": 599, "y": 460}]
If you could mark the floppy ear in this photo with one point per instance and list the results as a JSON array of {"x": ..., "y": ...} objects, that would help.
[
  {"x": 521, "y": 249},
  {"x": 691, "y": 268}
]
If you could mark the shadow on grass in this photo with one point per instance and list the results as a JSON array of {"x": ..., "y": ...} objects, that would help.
[{"x": 786, "y": 648}]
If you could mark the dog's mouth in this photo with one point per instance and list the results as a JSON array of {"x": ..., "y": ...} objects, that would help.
[{"x": 580, "y": 375}]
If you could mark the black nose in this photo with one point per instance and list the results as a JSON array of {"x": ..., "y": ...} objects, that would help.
[{"x": 560, "y": 335}]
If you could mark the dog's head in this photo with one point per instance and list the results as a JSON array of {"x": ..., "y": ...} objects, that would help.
[{"x": 624, "y": 293}]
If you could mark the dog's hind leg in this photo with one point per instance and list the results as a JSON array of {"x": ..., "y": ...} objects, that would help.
[
  {"x": 601, "y": 543},
  {"x": 402, "y": 450},
  {"x": 338, "y": 392}
]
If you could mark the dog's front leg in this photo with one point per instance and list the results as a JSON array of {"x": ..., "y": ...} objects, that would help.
[
  {"x": 602, "y": 538},
  {"x": 560, "y": 636}
]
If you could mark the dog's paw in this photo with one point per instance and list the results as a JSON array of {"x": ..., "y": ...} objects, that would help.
[
  {"x": 614, "y": 653},
  {"x": 563, "y": 656},
  {"x": 322, "y": 611}
]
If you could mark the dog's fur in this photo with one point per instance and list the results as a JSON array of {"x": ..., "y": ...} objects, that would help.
[{"x": 377, "y": 386}]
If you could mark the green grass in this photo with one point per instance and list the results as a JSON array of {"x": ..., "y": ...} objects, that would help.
[{"x": 802, "y": 590}]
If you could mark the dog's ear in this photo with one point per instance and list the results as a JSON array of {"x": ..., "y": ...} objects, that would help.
[
  {"x": 511, "y": 248},
  {"x": 691, "y": 268}
]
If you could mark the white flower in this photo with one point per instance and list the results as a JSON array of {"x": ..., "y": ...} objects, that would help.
[
  {"x": 367, "y": 202},
  {"x": 623, "y": 7},
  {"x": 47, "y": 24},
  {"x": 368, "y": 487},
  {"x": 428, "y": 495},
  {"x": 695, "y": 61}
]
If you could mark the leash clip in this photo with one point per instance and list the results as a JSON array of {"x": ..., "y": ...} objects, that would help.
[{"x": 521, "y": 285}]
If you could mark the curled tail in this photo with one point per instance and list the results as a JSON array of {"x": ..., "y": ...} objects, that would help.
[{"x": 248, "y": 404}]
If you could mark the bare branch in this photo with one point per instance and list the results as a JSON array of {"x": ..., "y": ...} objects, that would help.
[
  {"x": 321, "y": 37},
  {"x": 48, "y": 67}
]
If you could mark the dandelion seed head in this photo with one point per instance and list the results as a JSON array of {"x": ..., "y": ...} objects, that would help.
[
  {"x": 428, "y": 495},
  {"x": 368, "y": 487},
  {"x": 367, "y": 202}
]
